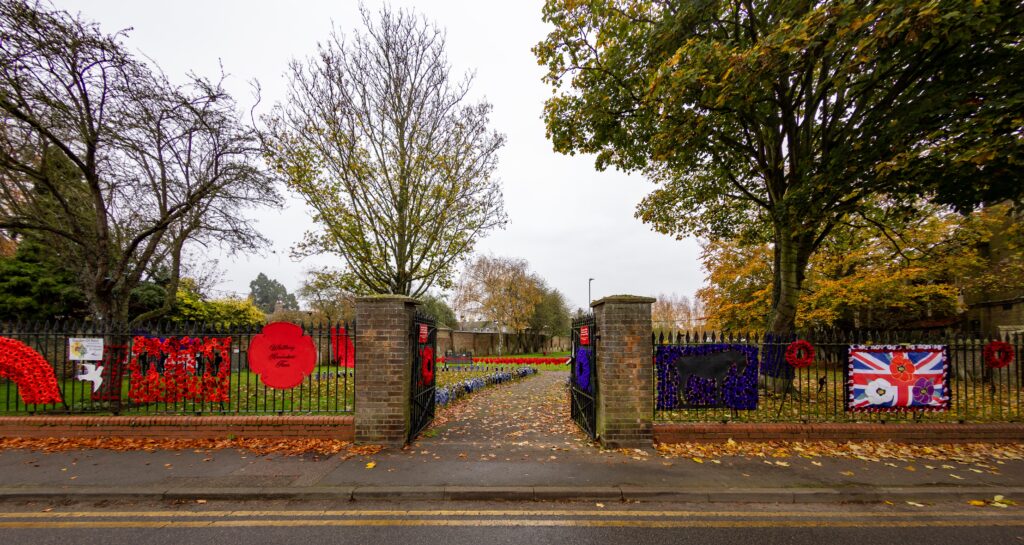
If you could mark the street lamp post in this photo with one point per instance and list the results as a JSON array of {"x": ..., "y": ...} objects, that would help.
[{"x": 589, "y": 298}]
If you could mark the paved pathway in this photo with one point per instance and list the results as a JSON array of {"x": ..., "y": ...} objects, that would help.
[{"x": 529, "y": 417}]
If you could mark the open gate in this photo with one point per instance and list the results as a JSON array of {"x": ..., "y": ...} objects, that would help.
[
  {"x": 583, "y": 375},
  {"x": 421, "y": 407}
]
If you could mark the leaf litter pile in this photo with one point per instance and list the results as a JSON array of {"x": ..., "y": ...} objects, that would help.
[
  {"x": 871, "y": 451},
  {"x": 258, "y": 446}
]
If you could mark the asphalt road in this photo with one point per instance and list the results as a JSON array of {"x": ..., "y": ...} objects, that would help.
[{"x": 457, "y": 523}]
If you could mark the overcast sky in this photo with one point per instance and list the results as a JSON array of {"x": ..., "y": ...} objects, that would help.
[{"x": 568, "y": 220}]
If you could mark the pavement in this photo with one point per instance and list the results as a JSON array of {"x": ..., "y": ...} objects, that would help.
[{"x": 510, "y": 442}]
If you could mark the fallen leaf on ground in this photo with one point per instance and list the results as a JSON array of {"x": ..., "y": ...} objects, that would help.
[
  {"x": 871, "y": 451},
  {"x": 371, "y": 465},
  {"x": 258, "y": 446},
  {"x": 1001, "y": 501}
]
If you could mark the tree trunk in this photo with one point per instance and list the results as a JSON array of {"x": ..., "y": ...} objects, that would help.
[{"x": 792, "y": 252}]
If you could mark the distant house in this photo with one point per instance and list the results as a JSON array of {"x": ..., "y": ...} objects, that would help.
[{"x": 996, "y": 316}]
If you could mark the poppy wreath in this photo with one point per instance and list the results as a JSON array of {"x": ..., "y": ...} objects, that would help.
[
  {"x": 998, "y": 354},
  {"x": 800, "y": 354},
  {"x": 179, "y": 380},
  {"x": 34, "y": 376}
]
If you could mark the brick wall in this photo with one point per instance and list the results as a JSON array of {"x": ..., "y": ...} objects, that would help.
[
  {"x": 909, "y": 433},
  {"x": 444, "y": 340},
  {"x": 462, "y": 341},
  {"x": 625, "y": 375},
  {"x": 383, "y": 367},
  {"x": 179, "y": 427},
  {"x": 486, "y": 343}
]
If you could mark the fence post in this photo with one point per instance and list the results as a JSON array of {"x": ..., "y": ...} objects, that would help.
[
  {"x": 625, "y": 371},
  {"x": 383, "y": 365}
]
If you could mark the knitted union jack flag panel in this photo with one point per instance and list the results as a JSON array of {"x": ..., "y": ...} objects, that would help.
[{"x": 899, "y": 378}]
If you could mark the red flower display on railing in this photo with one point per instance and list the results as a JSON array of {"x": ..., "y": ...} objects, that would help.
[
  {"x": 183, "y": 377},
  {"x": 28, "y": 369},
  {"x": 998, "y": 354},
  {"x": 901, "y": 368},
  {"x": 427, "y": 365},
  {"x": 800, "y": 354}
]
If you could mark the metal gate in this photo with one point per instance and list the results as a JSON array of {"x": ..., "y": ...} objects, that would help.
[
  {"x": 424, "y": 338},
  {"x": 583, "y": 375}
]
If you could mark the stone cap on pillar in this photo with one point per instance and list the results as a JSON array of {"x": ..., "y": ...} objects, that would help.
[
  {"x": 388, "y": 298},
  {"x": 637, "y": 299}
]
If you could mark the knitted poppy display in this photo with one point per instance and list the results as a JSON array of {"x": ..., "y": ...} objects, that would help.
[
  {"x": 800, "y": 354},
  {"x": 998, "y": 354},
  {"x": 177, "y": 369},
  {"x": 736, "y": 389},
  {"x": 25, "y": 367}
]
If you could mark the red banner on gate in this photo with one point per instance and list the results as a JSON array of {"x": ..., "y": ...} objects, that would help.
[
  {"x": 423, "y": 334},
  {"x": 585, "y": 335}
]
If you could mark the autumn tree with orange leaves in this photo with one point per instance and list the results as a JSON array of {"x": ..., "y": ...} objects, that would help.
[{"x": 874, "y": 271}]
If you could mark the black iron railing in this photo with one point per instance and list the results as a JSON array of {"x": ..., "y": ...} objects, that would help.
[
  {"x": 820, "y": 392},
  {"x": 423, "y": 374},
  {"x": 583, "y": 374},
  {"x": 208, "y": 373}
]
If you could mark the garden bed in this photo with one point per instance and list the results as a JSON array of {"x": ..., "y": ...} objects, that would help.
[{"x": 453, "y": 385}]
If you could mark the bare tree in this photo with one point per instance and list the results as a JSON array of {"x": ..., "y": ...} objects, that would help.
[
  {"x": 113, "y": 164},
  {"x": 499, "y": 289},
  {"x": 383, "y": 145},
  {"x": 673, "y": 313},
  {"x": 329, "y": 293}
]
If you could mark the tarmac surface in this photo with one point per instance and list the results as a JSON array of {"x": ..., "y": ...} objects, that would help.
[
  {"x": 278, "y": 522},
  {"x": 510, "y": 442}
]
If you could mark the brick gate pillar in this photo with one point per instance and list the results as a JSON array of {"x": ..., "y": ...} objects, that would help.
[
  {"x": 383, "y": 365},
  {"x": 625, "y": 371}
]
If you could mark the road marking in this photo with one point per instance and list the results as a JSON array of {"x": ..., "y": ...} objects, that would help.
[
  {"x": 972, "y": 512},
  {"x": 592, "y": 523}
]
